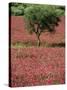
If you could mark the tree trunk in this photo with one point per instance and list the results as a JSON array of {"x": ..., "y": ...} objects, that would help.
[
  {"x": 38, "y": 42},
  {"x": 38, "y": 36}
]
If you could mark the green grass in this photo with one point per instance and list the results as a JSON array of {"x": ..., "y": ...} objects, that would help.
[{"x": 34, "y": 44}]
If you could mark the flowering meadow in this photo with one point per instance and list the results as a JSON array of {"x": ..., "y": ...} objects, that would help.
[
  {"x": 37, "y": 66},
  {"x": 32, "y": 65},
  {"x": 19, "y": 34}
]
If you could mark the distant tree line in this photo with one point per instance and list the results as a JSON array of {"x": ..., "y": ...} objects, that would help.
[{"x": 18, "y": 9}]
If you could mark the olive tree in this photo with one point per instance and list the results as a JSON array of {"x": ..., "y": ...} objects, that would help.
[{"x": 41, "y": 18}]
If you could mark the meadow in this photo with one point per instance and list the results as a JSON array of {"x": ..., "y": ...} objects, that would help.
[{"x": 32, "y": 65}]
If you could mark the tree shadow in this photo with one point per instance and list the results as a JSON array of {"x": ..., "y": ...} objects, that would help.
[{"x": 57, "y": 45}]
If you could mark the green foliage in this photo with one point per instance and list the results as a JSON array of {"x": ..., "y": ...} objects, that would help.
[
  {"x": 43, "y": 16},
  {"x": 61, "y": 7},
  {"x": 17, "y": 10},
  {"x": 20, "y": 7},
  {"x": 60, "y": 12}
]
